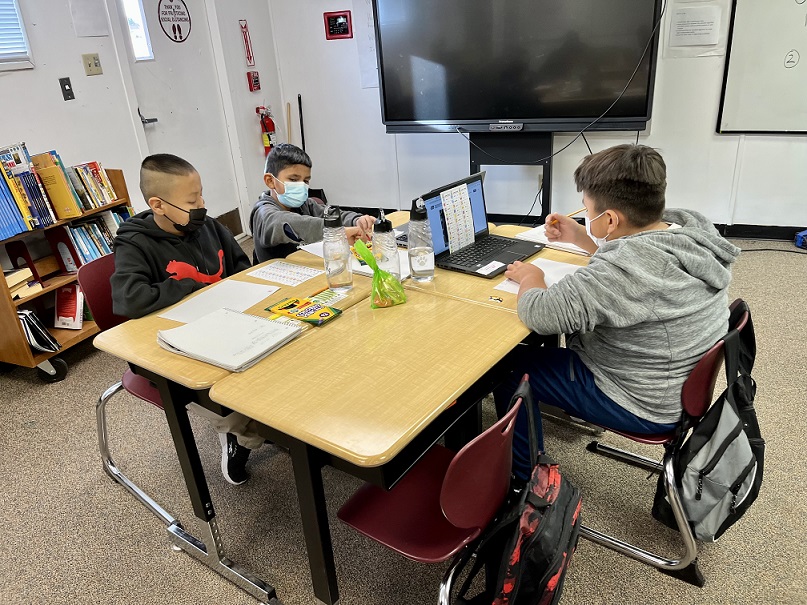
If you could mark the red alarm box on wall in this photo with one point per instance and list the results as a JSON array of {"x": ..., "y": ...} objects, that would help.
[{"x": 254, "y": 81}]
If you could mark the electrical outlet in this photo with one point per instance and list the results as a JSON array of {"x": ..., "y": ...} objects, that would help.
[{"x": 92, "y": 64}]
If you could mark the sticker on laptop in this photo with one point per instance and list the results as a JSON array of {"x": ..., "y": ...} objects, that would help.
[{"x": 490, "y": 267}]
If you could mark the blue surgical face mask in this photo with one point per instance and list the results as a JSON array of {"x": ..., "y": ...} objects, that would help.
[{"x": 295, "y": 195}]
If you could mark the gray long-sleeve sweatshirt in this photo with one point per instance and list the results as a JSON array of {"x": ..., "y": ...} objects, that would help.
[
  {"x": 643, "y": 312},
  {"x": 278, "y": 231}
]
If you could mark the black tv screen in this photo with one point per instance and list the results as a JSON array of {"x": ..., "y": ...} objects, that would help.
[{"x": 551, "y": 65}]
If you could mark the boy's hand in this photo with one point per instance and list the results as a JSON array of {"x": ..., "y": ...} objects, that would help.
[
  {"x": 354, "y": 233},
  {"x": 527, "y": 275},
  {"x": 561, "y": 228},
  {"x": 365, "y": 223}
]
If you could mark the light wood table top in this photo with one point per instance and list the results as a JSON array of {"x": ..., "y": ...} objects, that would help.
[
  {"x": 370, "y": 381},
  {"x": 135, "y": 341}
]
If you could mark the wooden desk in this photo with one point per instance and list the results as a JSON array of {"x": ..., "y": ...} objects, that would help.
[
  {"x": 378, "y": 397},
  {"x": 182, "y": 380}
]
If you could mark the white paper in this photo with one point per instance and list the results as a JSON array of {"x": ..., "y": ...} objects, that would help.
[
  {"x": 553, "y": 273},
  {"x": 490, "y": 267},
  {"x": 538, "y": 235},
  {"x": 695, "y": 26},
  {"x": 285, "y": 273},
  {"x": 231, "y": 294},
  {"x": 403, "y": 258},
  {"x": 364, "y": 30},
  {"x": 89, "y": 18},
  {"x": 231, "y": 340},
  {"x": 315, "y": 249},
  {"x": 459, "y": 217}
]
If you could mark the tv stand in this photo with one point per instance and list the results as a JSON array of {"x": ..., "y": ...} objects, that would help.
[{"x": 516, "y": 149}]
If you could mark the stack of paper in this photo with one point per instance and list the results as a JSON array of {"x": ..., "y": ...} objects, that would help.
[
  {"x": 553, "y": 273},
  {"x": 228, "y": 339},
  {"x": 538, "y": 234}
]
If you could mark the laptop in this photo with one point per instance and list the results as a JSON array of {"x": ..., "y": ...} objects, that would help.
[{"x": 459, "y": 226}]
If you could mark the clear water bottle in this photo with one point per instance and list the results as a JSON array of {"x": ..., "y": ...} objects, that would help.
[
  {"x": 421, "y": 248},
  {"x": 336, "y": 252},
  {"x": 385, "y": 248}
]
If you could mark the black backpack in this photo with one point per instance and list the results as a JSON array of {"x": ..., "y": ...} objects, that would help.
[
  {"x": 719, "y": 466},
  {"x": 528, "y": 549}
]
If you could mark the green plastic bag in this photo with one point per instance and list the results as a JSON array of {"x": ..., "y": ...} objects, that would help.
[{"x": 387, "y": 290}]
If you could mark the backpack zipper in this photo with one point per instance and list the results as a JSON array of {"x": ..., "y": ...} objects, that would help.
[
  {"x": 735, "y": 489},
  {"x": 735, "y": 432}
]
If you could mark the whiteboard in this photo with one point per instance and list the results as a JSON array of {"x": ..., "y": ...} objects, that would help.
[{"x": 765, "y": 79}]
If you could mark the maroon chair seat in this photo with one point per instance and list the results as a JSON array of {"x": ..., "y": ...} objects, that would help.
[
  {"x": 142, "y": 388},
  {"x": 444, "y": 503}
]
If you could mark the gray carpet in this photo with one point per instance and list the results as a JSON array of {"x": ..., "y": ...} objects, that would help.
[{"x": 68, "y": 534}]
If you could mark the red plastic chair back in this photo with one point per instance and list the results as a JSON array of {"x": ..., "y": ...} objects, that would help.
[
  {"x": 94, "y": 281},
  {"x": 478, "y": 477},
  {"x": 697, "y": 393}
]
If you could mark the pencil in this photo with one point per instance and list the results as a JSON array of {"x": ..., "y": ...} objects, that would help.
[
  {"x": 570, "y": 215},
  {"x": 318, "y": 292}
]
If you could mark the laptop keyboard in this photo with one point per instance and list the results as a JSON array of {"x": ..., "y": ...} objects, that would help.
[{"x": 478, "y": 251}]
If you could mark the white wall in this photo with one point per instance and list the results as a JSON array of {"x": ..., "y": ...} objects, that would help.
[
  {"x": 245, "y": 120},
  {"x": 93, "y": 126},
  {"x": 731, "y": 179}
]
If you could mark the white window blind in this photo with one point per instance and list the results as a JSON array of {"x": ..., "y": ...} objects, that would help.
[{"x": 14, "y": 52}]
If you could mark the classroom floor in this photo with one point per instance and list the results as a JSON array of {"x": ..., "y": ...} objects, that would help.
[{"x": 68, "y": 534}]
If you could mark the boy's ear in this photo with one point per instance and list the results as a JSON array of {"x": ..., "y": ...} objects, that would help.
[
  {"x": 156, "y": 204},
  {"x": 269, "y": 181}
]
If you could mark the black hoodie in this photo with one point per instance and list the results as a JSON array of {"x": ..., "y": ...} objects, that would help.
[{"x": 155, "y": 269}]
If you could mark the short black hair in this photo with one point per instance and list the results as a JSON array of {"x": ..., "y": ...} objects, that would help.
[
  {"x": 629, "y": 178},
  {"x": 155, "y": 167},
  {"x": 285, "y": 155}
]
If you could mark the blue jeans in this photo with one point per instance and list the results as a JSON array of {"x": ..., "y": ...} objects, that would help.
[{"x": 558, "y": 377}]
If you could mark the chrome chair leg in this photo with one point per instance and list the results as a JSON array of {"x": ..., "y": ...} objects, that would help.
[
  {"x": 457, "y": 565},
  {"x": 615, "y": 452},
  {"x": 685, "y": 568},
  {"x": 109, "y": 465}
]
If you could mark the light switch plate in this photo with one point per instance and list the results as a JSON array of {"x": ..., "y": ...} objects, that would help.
[{"x": 92, "y": 64}]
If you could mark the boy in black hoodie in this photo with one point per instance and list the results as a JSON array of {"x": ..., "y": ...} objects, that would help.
[{"x": 169, "y": 251}]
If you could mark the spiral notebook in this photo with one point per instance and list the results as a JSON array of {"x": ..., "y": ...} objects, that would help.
[{"x": 228, "y": 339}]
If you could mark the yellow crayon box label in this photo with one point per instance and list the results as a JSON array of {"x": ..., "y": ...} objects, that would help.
[{"x": 304, "y": 309}]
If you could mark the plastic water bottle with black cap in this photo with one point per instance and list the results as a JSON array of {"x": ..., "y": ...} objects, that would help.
[
  {"x": 385, "y": 248},
  {"x": 336, "y": 251},
  {"x": 420, "y": 246}
]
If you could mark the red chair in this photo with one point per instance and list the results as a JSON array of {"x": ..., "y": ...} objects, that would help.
[
  {"x": 697, "y": 396},
  {"x": 94, "y": 281},
  {"x": 443, "y": 505}
]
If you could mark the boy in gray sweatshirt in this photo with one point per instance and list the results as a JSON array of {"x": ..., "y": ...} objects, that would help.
[
  {"x": 638, "y": 318},
  {"x": 285, "y": 217}
]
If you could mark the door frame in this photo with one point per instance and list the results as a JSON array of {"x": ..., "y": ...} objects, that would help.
[{"x": 124, "y": 57}]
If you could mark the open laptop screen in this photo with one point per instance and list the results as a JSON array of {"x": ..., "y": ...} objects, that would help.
[{"x": 457, "y": 211}]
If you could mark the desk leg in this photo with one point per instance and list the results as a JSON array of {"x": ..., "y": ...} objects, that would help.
[
  {"x": 314, "y": 513},
  {"x": 209, "y": 551}
]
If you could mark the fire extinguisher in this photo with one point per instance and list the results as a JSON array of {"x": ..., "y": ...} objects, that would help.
[{"x": 267, "y": 128}]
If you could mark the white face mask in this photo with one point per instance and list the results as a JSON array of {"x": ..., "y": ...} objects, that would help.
[{"x": 600, "y": 241}]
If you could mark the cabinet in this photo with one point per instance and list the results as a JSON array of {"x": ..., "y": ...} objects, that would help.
[{"x": 14, "y": 347}]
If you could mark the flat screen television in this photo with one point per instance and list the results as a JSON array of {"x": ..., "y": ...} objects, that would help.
[{"x": 536, "y": 65}]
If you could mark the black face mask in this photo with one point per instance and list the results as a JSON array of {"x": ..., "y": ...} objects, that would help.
[{"x": 196, "y": 218}]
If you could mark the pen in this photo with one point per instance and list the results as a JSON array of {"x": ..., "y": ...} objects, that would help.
[{"x": 570, "y": 215}]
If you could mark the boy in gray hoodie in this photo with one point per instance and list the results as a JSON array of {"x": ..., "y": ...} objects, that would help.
[
  {"x": 638, "y": 318},
  {"x": 285, "y": 217}
]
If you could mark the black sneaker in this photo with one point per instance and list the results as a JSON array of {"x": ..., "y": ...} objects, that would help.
[{"x": 233, "y": 459}]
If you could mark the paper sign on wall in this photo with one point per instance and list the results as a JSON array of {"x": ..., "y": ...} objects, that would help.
[{"x": 175, "y": 19}]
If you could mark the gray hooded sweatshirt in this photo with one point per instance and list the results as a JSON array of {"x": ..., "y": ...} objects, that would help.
[
  {"x": 643, "y": 312},
  {"x": 277, "y": 232}
]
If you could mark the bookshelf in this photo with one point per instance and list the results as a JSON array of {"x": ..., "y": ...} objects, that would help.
[{"x": 14, "y": 347}]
